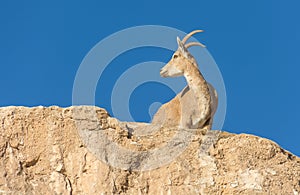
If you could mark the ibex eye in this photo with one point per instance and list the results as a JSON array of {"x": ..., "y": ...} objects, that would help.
[{"x": 175, "y": 56}]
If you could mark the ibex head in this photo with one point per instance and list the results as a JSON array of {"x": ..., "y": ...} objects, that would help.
[{"x": 177, "y": 65}]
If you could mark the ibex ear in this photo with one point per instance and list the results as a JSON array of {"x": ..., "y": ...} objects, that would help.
[
  {"x": 180, "y": 44},
  {"x": 182, "y": 48}
]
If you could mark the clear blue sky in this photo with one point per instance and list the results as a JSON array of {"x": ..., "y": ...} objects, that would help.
[{"x": 255, "y": 44}]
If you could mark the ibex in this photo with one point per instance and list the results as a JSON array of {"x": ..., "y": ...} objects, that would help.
[{"x": 195, "y": 106}]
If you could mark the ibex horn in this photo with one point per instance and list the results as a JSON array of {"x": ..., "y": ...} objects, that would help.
[
  {"x": 189, "y": 35},
  {"x": 194, "y": 44}
]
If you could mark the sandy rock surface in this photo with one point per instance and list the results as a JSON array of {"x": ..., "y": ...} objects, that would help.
[{"x": 81, "y": 150}]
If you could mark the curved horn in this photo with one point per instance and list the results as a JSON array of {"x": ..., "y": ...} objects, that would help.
[
  {"x": 189, "y": 35},
  {"x": 194, "y": 44}
]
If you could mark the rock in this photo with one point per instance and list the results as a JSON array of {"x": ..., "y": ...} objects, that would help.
[{"x": 82, "y": 150}]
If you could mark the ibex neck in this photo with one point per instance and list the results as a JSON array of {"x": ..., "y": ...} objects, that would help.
[
  {"x": 195, "y": 79},
  {"x": 199, "y": 87}
]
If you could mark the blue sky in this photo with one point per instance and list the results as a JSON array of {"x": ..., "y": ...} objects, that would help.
[{"x": 255, "y": 44}]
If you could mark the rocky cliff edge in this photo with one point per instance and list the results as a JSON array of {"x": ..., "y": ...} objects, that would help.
[{"x": 81, "y": 150}]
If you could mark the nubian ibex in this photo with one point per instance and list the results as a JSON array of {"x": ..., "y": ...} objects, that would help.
[{"x": 195, "y": 106}]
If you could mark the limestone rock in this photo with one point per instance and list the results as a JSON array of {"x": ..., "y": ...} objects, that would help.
[{"x": 82, "y": 150}]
